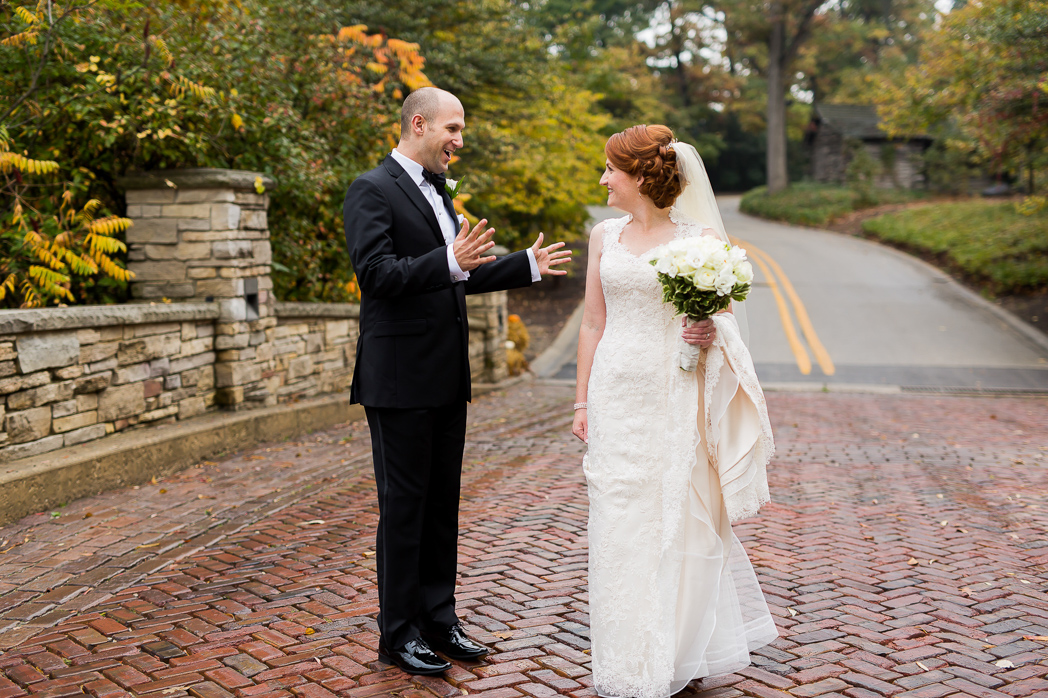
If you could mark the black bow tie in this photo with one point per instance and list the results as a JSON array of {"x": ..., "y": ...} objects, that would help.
[{"x": 437, "y": 180}]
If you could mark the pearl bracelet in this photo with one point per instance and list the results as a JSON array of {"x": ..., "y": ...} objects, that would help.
[{"x": 580, "y": 405}]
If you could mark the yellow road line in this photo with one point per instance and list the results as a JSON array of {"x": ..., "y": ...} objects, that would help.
[
  {"x": 822, "y": 357},
  {"x": 799, "y": 353}
]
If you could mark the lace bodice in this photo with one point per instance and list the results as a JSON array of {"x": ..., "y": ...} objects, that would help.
[
  {"x": 639, "y": 326},
  {"x": 631, "y": 287}
]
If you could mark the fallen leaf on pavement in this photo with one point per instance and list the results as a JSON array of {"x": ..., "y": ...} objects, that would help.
[
  {"x": 912, "y": 561},
  {"x": 922, "y": 666},
  {"x": 792, "y": 612},
  {"x": 314, "y": 522},
  {"x": 1004, "y": 664}
]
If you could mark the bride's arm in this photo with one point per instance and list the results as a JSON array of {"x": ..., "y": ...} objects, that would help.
[{"x": 594, "y": 314}]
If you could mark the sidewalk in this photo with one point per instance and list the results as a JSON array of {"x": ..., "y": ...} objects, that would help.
[{"x": 904, "y": 554}]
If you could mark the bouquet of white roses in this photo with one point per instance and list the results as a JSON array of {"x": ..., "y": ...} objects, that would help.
[{"x": 701, "y": 276}]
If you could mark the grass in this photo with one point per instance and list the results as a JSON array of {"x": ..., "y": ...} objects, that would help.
[
  {"x": 988, "y": 242},
  {"x": 807, "y": 203}
]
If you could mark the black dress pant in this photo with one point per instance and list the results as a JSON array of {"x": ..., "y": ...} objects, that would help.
[{"x": 418, "y": 465}]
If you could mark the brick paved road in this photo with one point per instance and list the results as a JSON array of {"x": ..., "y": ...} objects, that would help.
[{"x": 904, "y": 555}]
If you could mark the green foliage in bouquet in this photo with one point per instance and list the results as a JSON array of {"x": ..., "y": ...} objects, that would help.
[{"x": 693, "y": 302}]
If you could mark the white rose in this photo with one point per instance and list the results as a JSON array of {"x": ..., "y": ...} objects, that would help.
[
  {"x": 718, "y": 258},
  {"x": 736, "y": 255},
  {"x": 665, "y": 265},
  {"x": 744, "y": 272},
  {"x": 725, "y": 282},
  {"x": 696, "y": 257},
  {"x": 704, "y": 279}
]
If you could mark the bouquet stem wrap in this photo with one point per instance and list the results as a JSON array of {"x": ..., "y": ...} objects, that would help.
[{"x": 688, "y": 356}]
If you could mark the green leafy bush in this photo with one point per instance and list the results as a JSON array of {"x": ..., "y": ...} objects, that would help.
[
  {"x": 991, "y": 243},
  {"x": 107, "y": 87},
  {"x": 807, "y": 203}
]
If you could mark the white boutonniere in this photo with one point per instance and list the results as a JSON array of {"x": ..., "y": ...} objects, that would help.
[{"x": 452, "y": 186}]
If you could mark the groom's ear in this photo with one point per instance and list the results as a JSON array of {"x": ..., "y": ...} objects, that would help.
[{"x": 418, "y": 124}]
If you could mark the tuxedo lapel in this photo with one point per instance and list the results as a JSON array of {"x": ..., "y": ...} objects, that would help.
[
  {"x": 408, "y": 186},
  {"x": 450, "y": 207}
]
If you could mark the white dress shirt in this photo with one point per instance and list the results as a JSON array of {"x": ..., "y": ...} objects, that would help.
[{"x": 448, "y": 227}]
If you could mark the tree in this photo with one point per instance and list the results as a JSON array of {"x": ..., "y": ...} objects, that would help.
[
  {"x": 534, "y": 132},
  {"x": 981, "y": 74},
  {"x": 790, "y": 25},
  {"x": 111, "y": 87}
]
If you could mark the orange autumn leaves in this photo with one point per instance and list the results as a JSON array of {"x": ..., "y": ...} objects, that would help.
[{"x": 392, "y": 58}]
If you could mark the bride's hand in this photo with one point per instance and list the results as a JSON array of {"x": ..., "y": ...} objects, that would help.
[
  {"x": 702, "y": 333},
  {"x": 580, "y": 427}
]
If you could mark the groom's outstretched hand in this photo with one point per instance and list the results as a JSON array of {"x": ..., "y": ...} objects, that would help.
[
  {"x": 548, "y": 257},
  {"x": 470, "y": 245}
]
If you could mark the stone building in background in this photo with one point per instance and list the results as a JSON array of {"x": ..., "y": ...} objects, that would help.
[{"x": 836, "y": 130}]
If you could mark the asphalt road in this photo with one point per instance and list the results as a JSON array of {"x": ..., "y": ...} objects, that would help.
[{"x": 837, "y": 311}]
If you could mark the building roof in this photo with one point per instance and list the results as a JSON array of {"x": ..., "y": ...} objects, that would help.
[{"x": 850, "y": 120}]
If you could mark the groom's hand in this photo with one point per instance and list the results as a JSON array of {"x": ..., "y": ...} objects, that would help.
[
  {"x": 548, "y": 257},
  {"x": 470, "y": 245}
]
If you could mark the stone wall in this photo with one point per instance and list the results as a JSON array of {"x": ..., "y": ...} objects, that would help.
[
  {"x": 487, "y": 337},
  {"x": 314, "y": 347},
  {"x": 76, "y": 374}
]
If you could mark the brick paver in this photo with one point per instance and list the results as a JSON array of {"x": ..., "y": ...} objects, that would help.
[{"x": 904, "y": 555}]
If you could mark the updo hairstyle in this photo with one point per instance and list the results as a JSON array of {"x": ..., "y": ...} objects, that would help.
[{"x": 644, "y": 151}]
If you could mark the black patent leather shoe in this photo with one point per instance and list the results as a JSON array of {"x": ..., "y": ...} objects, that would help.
[
  {"x": 415, "y": 657},
  {"x": 454, "y": 643}
]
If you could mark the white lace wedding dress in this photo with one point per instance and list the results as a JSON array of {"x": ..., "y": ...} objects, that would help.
[{"x": 672, "y": 594}]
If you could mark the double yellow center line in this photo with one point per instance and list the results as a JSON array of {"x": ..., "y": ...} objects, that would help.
[{"x": 779, "y": 283}]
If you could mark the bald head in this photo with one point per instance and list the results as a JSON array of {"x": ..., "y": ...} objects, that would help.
[
  {"x": 431, "y": 123},
  {"x": 426, "y": 102}
]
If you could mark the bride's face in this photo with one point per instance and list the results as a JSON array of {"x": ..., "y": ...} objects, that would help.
[{"x": 623, "y": 188}]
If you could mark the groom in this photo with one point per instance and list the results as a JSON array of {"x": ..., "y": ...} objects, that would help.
[{"x": 415, "y": 265}]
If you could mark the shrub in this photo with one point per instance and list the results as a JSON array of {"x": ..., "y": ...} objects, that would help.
[
  {"x": 807, "y": 203},
  {"x": 991, "y": 243}
]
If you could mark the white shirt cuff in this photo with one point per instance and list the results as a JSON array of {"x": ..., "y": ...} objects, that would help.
[
  {"x": 453, "y": 266},
  {"x": 535, "y": 275}
]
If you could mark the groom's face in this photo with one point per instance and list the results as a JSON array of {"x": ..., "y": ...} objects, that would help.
[{"x": 443, "y": 135}]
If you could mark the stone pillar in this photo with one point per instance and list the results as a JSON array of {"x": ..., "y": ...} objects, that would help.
[
  {"x": 487, "y": 337},
  {"x": 201, "y": 235}
]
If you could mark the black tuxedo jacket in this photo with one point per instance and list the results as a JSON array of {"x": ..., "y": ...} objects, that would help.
[{"x": 414, "y": 338}]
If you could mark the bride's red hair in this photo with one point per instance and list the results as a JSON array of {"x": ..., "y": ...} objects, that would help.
[{"x": 644, "y": 150}]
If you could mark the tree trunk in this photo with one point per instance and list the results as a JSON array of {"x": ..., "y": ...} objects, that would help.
[{"x": 776, "y": 163}]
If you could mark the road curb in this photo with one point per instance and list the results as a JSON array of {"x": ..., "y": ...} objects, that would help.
[
  {"x": 562, "y": 349},
  {"x": 1023, "y": 328},
  {"x": 35, "y": 484},
  {"x": 1028, "y": 331}
]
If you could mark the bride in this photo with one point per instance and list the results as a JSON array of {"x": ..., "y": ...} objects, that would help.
[{"x": 674, "y": 456}]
